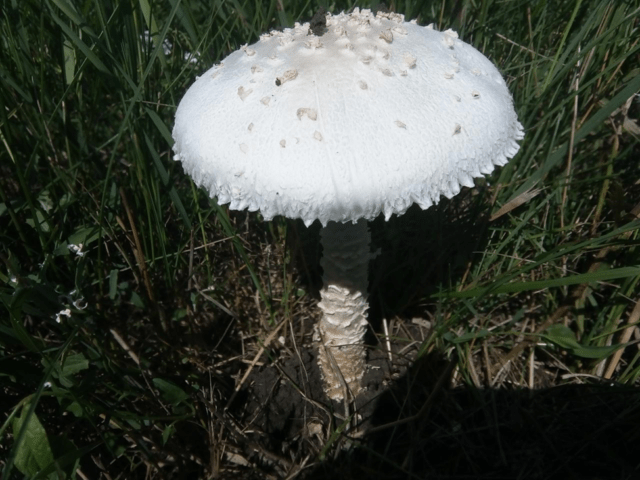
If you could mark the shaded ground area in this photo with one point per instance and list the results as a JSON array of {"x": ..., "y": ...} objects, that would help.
[{"x": 420, "y": 428}]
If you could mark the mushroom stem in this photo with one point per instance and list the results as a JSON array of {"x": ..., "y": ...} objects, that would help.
[{"x": 341, "y": 329}]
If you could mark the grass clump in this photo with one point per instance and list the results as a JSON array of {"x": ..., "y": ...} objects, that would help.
[{"x": 134, "y": 307}]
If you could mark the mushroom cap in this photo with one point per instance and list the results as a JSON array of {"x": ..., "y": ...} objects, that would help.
[{"x": 372, "y": 116}]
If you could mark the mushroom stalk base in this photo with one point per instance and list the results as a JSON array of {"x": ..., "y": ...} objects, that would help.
[{"x": 340, "y": 332}]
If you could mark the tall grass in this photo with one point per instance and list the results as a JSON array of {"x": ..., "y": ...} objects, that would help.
[{"x": 132, "y": 303}]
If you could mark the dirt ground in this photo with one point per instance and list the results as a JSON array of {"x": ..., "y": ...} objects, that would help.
[{"x": 400, "y": 428}]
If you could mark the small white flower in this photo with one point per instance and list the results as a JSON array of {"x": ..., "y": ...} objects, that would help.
[
  {"x": 191, "y": 57},
  {"x": 80, "y": 304},
  {"x": 47, "y": 384},
  {"x": 63, "y": 313},
  {"x": 77, "y": 249}
]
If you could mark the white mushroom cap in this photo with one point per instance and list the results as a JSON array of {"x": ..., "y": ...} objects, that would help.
[{"x": 369, "y": 118}]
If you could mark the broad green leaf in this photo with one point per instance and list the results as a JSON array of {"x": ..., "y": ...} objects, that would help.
[
  {"x": 84, "y": 235},
  {"x": 563, "y": 337},
  {"x": 34, "y": 451},
  {"x": 136, "y": 299},
  {"x": 170, "y": 392},
  {"x": 71, "y": 365},
  {"x": 113, "y": 283},
  {"x": 69, "y": 61},
  {"x": 74, "y": 364},
  {"x": 167, "y": 433},
  {"x": 67, "y": 457},
  {"x": 40, "y": 219},
  {"x": 76, "y": 409}
]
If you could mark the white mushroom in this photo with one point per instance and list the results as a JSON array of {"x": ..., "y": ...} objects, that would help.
[{"x": 347, "y": 161}]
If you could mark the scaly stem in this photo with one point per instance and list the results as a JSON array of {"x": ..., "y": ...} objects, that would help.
[{"x": 340, "y": 332}]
